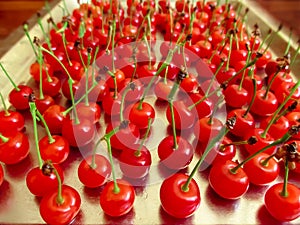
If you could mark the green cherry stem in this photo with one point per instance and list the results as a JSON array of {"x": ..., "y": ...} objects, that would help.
[
  {"x": 214, "y": 77},
  {"x": 26, "y": 31},
  {"x": 113, "y": 44},
  {"x": 87, "y": 76},
  {"x": 292, "y": 91},
  {"x": 7, "y": 75},
  {"x": 272, "y": 38},
  {"x": 6, "y": 112},
  {"x": 283, "y": 139},
  {"x": 209, "y": 147},
  {"x": 230, "y": 49},
  {"x": 65, "y": 7},
  {"x": 51, "y": 140},
  {"x": 59, "y": 199},
  {"x": 33, "y": 110},
  {"x": 252, "y": 99},
  {"x": 3, "y": 138},
  {"x": 39, "y": 21},
  {"x": 284, "y": 192},
  {"x": 138, "y": 152},
  {"x": 289, "y": 42},
  {"x": 129, "y": 87},
  {"x": 41, "y": 62}
]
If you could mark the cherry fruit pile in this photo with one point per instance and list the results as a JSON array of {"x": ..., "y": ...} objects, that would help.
[{"x": 109, "y": 62}]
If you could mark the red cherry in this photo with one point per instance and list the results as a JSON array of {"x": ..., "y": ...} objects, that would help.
[
  {"x": 281, "y": 77},
  {"x": 119, "y": 76},
  {"x": 66, "y": 89},
  {"x": 117, "y": 204},
  {"x": 43, "y": 104},
  {"x": 264, "y": 106},
  {"x": 91, "y": 112},
  {"x": 94, "y": 176},
  {"x": 184, "y": 117},
  {"x": 51, "y": 87},
  {"x": 54, "y": 213},
  {"x": 135, "y": 94},
  {"x": 57, "y": 152},
  {"x": 260, "y": 173},
  {"x": 54, "y": 118},
  {"x": 283, "y": 90},
  {"x": 99, "y": 91},
  {"x": 243, "y": 122},
  {"x": 277, "y": 129},
  {"x": 204, "y": 108},
  {"x": 235, "y": 96},
  {"x": 11, "y": 122},
  {"x": 227, "y": 184},
  {"x": 140, "y": 117},
  {"x": 207, "y": 130},
  {"x": 172, "y": 158},
  {"x": 135, "y": 165},
  {"x": 283, "y": 208},
  {"x": 78, "y": 135},
  {"x": 35, "y": 71},
  {"x": 40, "y": 184},
  {"x": 112, "y": 104},
  {"x": 162, "y": 89},
  {"x": 19, "y": 98},
  {"x": 187, "y": 202},
  {"x": 14, "y": 149},
  {"x": 189, "y": 84}
]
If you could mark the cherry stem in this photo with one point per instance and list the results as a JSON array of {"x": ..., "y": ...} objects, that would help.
[
  {"x": 265, "y": 162},
  {"x": 272, "y": 38},
  {"x": 65, "y": 7},
  {"x": 295, "y": 56},
  {"x": 229, "y": 53},
  {"x": 65, "y": 47},
  {"x": 11, "y": 81},
  {"x": 284, "y": 193},
  {"x": 265, "y": 40},
  {"x": 222, "y": 146},
  {"x": 138, "y": 152},
  {"x": 244, "y": 72},
  {"x": 6, "y": 112},
  {"x": 41, "y": 62},
  {"x": 113, "y": 76},
  {"x": 44, "y": 33},
  {"x": 113, "y": 45},
  {"x": 289, "y": 42},
  {"x": 59, "y": 199},
  {"x": 107, "y": 137},
  {"x": 161, "y": 68},
  {"x": 93, "y": 164},
  {"x": 51, "y": 140},
  {"x": 252, "y": 99},
  {"x": 209, "y": 147},
  {"x": 283, "y": 139},
  {"x": 3, "y": 138},
  {"x": 127, "y": 89},
  {"x": 25, "y": 28},
  {"x": 293, "y": 90},
  {"x": 33, "y": 110},
  {"x": 220, "y": 100},
  {"x": 270, "y": 84},
  {"x": 214, "y": 77},
  {"x": 87, "y": 79}
]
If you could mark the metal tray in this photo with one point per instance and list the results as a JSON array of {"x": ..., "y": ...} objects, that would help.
[{"x": 18, "y": 205}]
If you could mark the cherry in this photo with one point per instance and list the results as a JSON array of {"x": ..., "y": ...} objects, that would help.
[
  {"x": 266, "y": 167},
  {"x": 1, "y": 175},
  {"x": 11, "y": 121},
  {"x": 175, "y": 157},
  {"x": 94, "y": 171},
  {"x": 44, "y": 102},
  {"x": 13, "y": 147},
  {"x": 39, "y": 184},
  {"x": 204, "y": 108},
  {"x": 235, "y": 96},
  {"x": 140, "y": 112},
  {"x": 34, "y": 71},
  {"x": 51, "y": 86},
  {"x": 277, "y": 129},
  {"x": 187, "y": 201},
  {"x": 162, "y": 89},
  {"x": 226, "y": 183},
  {"x": 264, "y": 105},
  {"x": 54, "y": 118},
  {"x": 111, "y": 104},
  {"x": 91, "y": 112},
  {"x": 208, "y": 128}
]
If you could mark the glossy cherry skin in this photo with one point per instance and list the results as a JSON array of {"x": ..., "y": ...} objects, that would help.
[
  {"x": 175, "y": 201},
  {"x": 284, "y": 89},
  {"x": 11, "y": 122},
  {"x": 52, "y": 87},
  {"x": 184, "y": 118},
  {"x": 39, "y": 184},
  {"x": 53, "y": 213},
  {"x": 280, "y": 207},
  {"x": 172, "y": 158},
  {"x": 78, "y": 135},
  {"x": 126, "y": 137},
  {"x": 236, "y": 97},
  {"x": 54, "y": 118},
  {"x": 243, "y": 123},
  {"x": 259, "y": 173},
  {"x": 117, "y": 204},
  {"x": 19, "y": 99},
  {"x": 135, "y": 166},
  {"x": 261, "y": 142},
  {"x": 94, "y": 177},
  {"x": 227, "y": 184},
  {"x": 189, "y": 84},
  {"x": 15, "y": 149},
  {"x": 43, "y": 104},
  {"x": 57, "y": 152},
  {"x": 280, "y": 78},
  {"x": 132, "y": 95},
  {"x": 91, "y": 112},
  {"x": 140, "y": 117},
  {"x": 34, "y": 71},
  {"x": 112, "y": 104},
  {"x": 206, "y": 131},
  {"x": 277, "y": 129},
  {"x": 1, "y": 175},
  {"x": 204, "y": 108},
  {"x": 162, "y": 89},
  {"x": 264, "y": 106}
]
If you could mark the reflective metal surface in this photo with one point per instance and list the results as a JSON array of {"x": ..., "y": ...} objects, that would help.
[{"x": 18, "y": 205}]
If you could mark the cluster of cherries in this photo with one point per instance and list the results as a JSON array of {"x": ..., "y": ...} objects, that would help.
[{"x": 104, "y": 57}]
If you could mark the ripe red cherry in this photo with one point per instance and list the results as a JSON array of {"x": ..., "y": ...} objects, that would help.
[
  {"x": 112, "y": 104},
  {"x": 11, "y": 121},
  {"x": 283, "y": 208},
  {"x": 54, "y": 213},
  {"x": 227, "y": 184},
  {"x": 235, "y": 96},
  {"x": 14, "y": 148},
  {"x": 54, "y": 118},
  {"x": 91, "y": 112},
  {"x": 34, "y": 71},
  {"x": 243, "y": 123},
  {"x": 260, "y": 173},
  {"x": 264, "y": 106},
  {"x": 189, "y": 84},
  {"x": 162, "y": 89},
  {"x": 94, "y": 176},
  {"x": 40, "y": 184},
  {"x": 51, "y": 87},
  {"x": 207, "y": 130},
  {"x": 177, "y": 202},
  {"x": 119, "y": 76},
  {"x": 43, "y": 104},
  {"x": 140, "y": 116},
  {"x": 80, "y": 134},
  {"x": 117, "y": 204},
  {"x": 19, "y": 98},
  {"x": 277, "y": 129},
  {"x": 204, "y": 108},
  {"x": 172, "y": 158},
  {"x": 184, "y": 117},
  {"x": 57, "y": 152}
]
